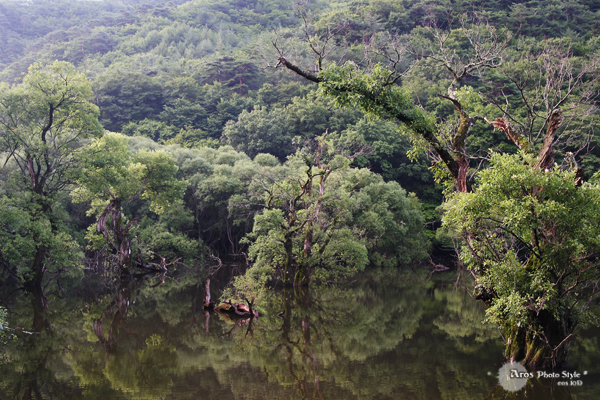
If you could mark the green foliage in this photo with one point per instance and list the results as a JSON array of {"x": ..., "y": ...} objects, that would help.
[
  {"x": 183, "y": 79},
  {"x": 372, "y": 93},
  {"x": 155, "y": 130},
  {"x": 26, "y": 228},
  {"x": 235, "y": 73},
  {"x": 272, "y": 130},
  {"x": 221, "y": 106},
  {"x": 331, "y": 221},
  {"x": 172, "y": 235},
  {"x": 260, "y": 131},
  {"x": 183, "y": 113},
  {"x": 262, "y": 14},
  {"x": 43, "y": 122},
  {"x": 111, "y": 171},
  {"x": 215, "y": 178},
  {"x": 111, "y": 177},
  {"x": 384, "y": 150},
  {"x": 127, "y": 97},
  {"x": 4, "y": 331},
  {"x": 531, "y": 237}
]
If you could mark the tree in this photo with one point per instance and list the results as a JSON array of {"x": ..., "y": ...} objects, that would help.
[
  {"x": 42, "y": 123},
  {"x": 296, "y": 229},
  {"x": 272, "y": 130},
  {"x": 322, "y": 220},
  {"x": 155, "y": 130},
  {"x": 111, "y": 176},
  {"x": 532, "y": 239},
  {"x": 388, "y": 157}
]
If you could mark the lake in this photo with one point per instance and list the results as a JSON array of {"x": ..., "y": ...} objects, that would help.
[{"x": 407, "y": 335}]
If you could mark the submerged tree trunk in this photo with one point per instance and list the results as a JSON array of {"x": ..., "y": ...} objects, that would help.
[
  {"x": 122, "y": 301},
  {"x": 38, "y": 267},
  {"x": 208, "y": 305},
  {"x": 546, "y": 349},
  {"x": 302, "y": 276},
  {"x": 39, "y": 303}
]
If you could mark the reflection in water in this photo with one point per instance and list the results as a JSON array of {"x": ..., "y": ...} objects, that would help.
[
  {"x": 398, "y": 338},
  {"x": 121, "y": 303}
]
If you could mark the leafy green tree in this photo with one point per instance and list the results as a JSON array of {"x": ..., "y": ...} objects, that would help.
[
  {"x": 42, "y": 124},
  {"x": 183, "y": 113},
  {"x": 239, "y": 75},
  {"x": 190, "y": 137},
  {"x": 111, "y": 176},
  {"x": 221, "y": 105},
  {"x": 282, "y": 94},
  {"x": 327, "y": 221},
  {"x": 531, "y": 237},
  {"x": 260, "y": 131},
  {"x": 171, "y": 234},
  {"x": 296, "y": 228}
]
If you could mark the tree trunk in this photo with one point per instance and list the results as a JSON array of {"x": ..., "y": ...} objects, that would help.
[
  {"x": 289, "y": 247},
  {"x": 208, "y": 304},
  {"x": 286, "y": 327},
  {"x": 206, "y": 321},
  {"x": 548, "y": 350},
  {"x": 301, "y": 277},
  {"x": 39, "y": 304}
]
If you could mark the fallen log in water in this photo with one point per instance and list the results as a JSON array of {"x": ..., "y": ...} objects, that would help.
[{"x": 240, "y": 310}]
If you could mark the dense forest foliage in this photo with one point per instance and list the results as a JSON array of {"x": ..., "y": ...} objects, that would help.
[{"x": 150, "y": 134}]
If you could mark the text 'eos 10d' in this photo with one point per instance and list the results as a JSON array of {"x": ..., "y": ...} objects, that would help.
[{"x": 573, "y": 377}]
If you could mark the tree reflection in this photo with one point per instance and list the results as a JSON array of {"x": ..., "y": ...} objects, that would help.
[
  {"x": 313, "y": 340},
  {"x": 391, "y": 338},
  {"x": 133, "y": 370},
  {"x": 463, "y": 320},
  {"x": 28, "y": 370},
  {"x": 121, "y": 303}
]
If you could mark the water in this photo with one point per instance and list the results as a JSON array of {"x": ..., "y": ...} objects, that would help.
[{"x": 396, "y": 337}]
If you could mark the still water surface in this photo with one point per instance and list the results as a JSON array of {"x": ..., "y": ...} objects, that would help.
[{"x": 395, "y": 337}]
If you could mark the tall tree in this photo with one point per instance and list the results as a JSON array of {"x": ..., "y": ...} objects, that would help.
[
  {"x": 322, "y": 220},
  {"x": 112, "y": 176},
  {"x": 531, "y": 237},
  {"x": 42, "y": 123}
]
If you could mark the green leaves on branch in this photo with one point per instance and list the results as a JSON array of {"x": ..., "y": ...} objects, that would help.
[
  {"x": 42, "y": 121},
  {"x": 533, "y": 240},
  {"x": 375, "y": 93},
  {"x": 330, "y": 221},
  {"x": 111, "y": 171},
  {"x": 113, "y": 176}
]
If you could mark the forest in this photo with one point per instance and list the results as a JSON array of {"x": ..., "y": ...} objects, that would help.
[{"x": 382, "y": 171}]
